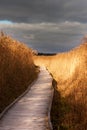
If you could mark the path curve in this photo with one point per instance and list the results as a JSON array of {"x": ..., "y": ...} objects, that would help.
[{"x": 31, "y": 112}]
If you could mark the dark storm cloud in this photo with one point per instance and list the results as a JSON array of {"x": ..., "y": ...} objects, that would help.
[
  {"x": 47, "y": 37},
  {"x": 45, "y": 25},
  {"x": 43, "y": 10}
]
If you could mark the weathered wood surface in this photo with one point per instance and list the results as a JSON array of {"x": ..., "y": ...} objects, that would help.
[{"x": 31, "y": 111}]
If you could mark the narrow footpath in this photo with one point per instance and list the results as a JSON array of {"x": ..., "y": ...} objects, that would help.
[{"x": 31, "y": 112}]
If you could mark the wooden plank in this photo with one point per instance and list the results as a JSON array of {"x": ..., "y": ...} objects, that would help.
[{"x": 31, "y": 111}]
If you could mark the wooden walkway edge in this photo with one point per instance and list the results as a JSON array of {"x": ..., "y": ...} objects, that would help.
[{"x": 32, "y": 112}]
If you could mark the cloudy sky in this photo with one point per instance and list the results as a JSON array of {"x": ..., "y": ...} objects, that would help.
[{"x": 45, "y": 25}]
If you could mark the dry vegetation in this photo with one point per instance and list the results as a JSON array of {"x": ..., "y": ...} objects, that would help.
[
  {"x": 17, "y": 69},
  {"x": 69, "y": 111}
]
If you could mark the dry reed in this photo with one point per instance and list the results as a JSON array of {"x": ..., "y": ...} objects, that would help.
[
  {"x": 70, "y": 72},
  {"x": 17, "y": 69}
]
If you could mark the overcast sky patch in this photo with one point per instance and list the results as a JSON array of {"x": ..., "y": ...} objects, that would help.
[
  {"x": 47, "y": 36},
  {"x": 45, "y": 25}
]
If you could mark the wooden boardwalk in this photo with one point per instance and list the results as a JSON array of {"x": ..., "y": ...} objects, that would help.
[{"x": 31, "y": 112}]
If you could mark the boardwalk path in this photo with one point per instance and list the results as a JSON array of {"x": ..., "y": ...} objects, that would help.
[{"x": 31, "y": 111}]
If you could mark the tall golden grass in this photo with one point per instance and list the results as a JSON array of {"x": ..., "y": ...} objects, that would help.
[
  {"x": 17, "y": 69},
  {"x": 69, "y": 70}
]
